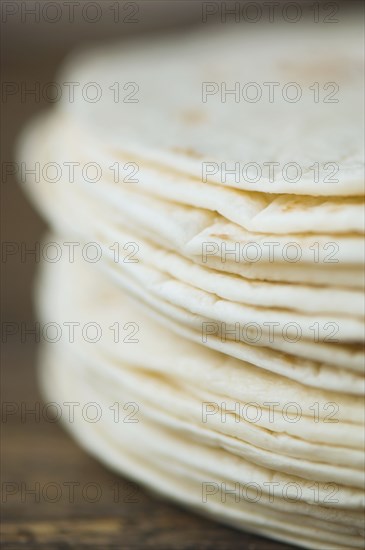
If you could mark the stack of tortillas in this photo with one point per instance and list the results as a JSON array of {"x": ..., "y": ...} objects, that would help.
[{"x": 217, "y": 304}]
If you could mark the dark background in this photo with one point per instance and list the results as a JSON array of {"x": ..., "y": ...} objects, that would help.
[{"x": 35, "y": 450}]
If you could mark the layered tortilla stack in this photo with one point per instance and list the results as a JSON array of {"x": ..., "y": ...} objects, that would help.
[{"x": 230, "y": 231}]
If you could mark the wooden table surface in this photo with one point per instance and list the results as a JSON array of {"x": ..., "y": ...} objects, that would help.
[{"x": 39, "y": 464}]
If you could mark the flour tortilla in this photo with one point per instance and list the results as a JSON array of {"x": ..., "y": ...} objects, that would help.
[
  {"x": 315, "y": 351},
  {"x": 217, "y": 373},
  {"x": 100, "y": 444},
  {"x": 256, "y": 212},
  {"x": 287, "y": 296},
  {"x": 309, "y": 372},
  {"x": 170, "y": 124},
  {"x": 309, "y": 299},
  {"x": 180, "y": 409},
  {"x": 342, "y": 276},
  {"x": 340, "y": 250},
  {"x": 158, "y": 219},
  {"x": 255, "y": 457},
  {"x": 199, "y": 301},
  {"x": 205, "y": 327},
  {"x": 185, "y": 222},
  {"x": 102, "y": 393},
  {"x": 155, "y": 392}
]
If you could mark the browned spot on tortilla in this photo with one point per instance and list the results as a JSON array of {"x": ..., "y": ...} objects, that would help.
[
  {"x": 193, "y": 116},
  {"x": 189, "y": 152},
  {"x": 322, "y": 69},
  {"x": 333, "y": 205},
  {"x": 292, "y": 205},
  {"x": 223, "y": 237}
]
